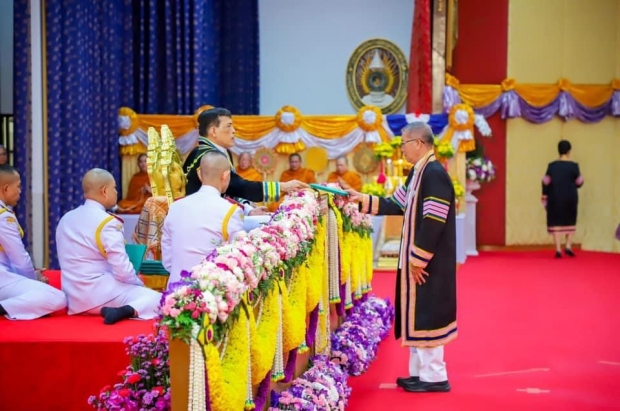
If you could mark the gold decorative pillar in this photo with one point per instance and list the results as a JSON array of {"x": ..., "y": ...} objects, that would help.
[
  {"x": 439, "y": 53},
  {"x": 444, "y": 39}
]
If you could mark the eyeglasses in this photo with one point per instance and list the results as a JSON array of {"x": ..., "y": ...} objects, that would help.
[{"x": 409, "y": 141}]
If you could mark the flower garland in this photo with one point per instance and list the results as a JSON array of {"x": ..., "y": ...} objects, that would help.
[
  {"x": 215, "y": 286},
  {"x": 277, "y": 372},
  {"x": 267, "y": 326},
  {"x": 235, "y": 360},
  {"x": 295, "y": 315},
  {"x": 215, "y": 382},
  {"x": 322, "y": 342},
  {"x": 369, "y": 263}
]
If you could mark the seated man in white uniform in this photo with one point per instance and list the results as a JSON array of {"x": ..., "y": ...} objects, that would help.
[
  {"x": 97, "y": 275},
  {"x": 22, "y": 296},
  {"x": 199, "y": 223}
]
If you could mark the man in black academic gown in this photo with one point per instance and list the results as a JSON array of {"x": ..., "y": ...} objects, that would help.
[
  {"x": 217, "y": 133},
  {"x": 426, "y": 275}
]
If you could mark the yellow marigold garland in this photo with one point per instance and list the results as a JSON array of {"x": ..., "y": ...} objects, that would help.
[
  {"x": 235, "y": 364},
  {"x": 322, "y": 340},
  {"x": 267, "y": 327},
  {"x": 369, "y": 263},
  {"x": 217, "y": 396},
  {"x": 277, "y": 370},
  {"x": 341, "y": 236},
  {"x": 356, "y": 267},
  {"x": 345, "y": 256},
  {"x": 294, "y": 330},
  {"x": 316, "y": 267}
]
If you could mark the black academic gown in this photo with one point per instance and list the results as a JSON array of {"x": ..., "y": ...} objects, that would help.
[
  {"x": 425, "y": 314},
  {"x": 238, "y": 187}
]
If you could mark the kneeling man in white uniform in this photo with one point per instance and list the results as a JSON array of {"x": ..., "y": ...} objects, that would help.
[
  {"x": 97, "y": 275},
  {"x": 199, "y": 223},
  {"x": 22, "y": 296}
]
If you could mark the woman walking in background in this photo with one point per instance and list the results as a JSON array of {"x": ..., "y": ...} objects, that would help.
[{"x": 560, "y": 198}]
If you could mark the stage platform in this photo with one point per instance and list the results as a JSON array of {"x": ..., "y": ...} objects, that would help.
[{"x": 56, "y": 363}]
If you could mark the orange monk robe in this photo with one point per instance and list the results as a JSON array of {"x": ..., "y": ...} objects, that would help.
[
  {"x": 350, "y": 177},
  {"x": 249, "y": 174},
  {"x": 303, "y": 174},
  {"x": 135, "y": 199}
]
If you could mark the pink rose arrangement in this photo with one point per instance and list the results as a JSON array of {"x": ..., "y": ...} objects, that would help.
[
  {"x": 216, "y": 286},
  {"x": 352, "y": 218}
]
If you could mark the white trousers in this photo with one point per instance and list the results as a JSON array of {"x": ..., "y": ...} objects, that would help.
[
  {"x": 142, "y": 299},
  {"x": 26, "y": 299},
  {"x": 428, "y": 364}
]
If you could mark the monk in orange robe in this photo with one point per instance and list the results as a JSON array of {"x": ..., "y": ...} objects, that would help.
[
  {"x": 295, "y": 172},
  {"x": 138, "y": 192},
  {"x": 344, "y": 177},
  {"x": 245, "y": 169}
]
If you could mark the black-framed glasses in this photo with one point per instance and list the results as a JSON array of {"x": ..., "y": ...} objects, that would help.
[{"x": 409, "y": 141}]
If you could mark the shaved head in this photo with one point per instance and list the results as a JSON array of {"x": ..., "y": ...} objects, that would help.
[
  {"x": 95, "y": 179},
  {"x": 10, "y": 185},
  {"x": 215, "y": 170},
  {"x": 8, "y": 174},
  {"x": 245, "y": 161},
  {"x": 99, "y": 185},
  {"x": 342, "y": 165}
]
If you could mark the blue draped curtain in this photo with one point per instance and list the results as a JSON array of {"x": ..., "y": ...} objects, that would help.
[
  {"x": 190, "y": 53},
  {"x": 22, "y": 106},
  {"x": 156, "y": 56},
  {"x": 85, "y": 41}
]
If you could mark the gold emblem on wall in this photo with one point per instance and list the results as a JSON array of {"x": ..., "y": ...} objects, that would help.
[{"x": 377, "y": 76}]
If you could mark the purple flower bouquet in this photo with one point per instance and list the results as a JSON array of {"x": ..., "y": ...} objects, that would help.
[
  {"x": 480, "y": 169},
  {"x": 354, "y": 346},
  {"x": 146, "y": 382}
]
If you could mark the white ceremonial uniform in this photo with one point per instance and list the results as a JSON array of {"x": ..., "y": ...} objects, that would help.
[
  {"x": 22, "y": 296},
  {"x": 95, "y": 267},
  {"x": 196, "y": 225}
]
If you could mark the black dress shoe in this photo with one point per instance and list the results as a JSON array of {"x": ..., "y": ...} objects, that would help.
[
  {"x": 558, "y": 254},
  {"x": 569, "y": 252},
  {"x": 400, "y": 381},
  {"x": 422, "y": 386}
]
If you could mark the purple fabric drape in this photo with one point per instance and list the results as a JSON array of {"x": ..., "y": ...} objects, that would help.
[{"x": 511, "y": 105}]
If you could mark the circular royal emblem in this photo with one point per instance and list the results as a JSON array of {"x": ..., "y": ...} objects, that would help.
[{"x": 377, "y": 76}]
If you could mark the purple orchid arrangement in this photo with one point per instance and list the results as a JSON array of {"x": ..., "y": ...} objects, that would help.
[
  {"x": 356, "y": 341},
  {"x": 146, "y": 382},
  {"x": 480, "y": 169},
  {"x": 322, "y": 387},
  {"x": 354, "y": 346}
]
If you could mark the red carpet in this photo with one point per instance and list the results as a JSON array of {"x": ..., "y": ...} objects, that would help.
[
  {"x": 56, "y": 363},
  {"x": 526, "y": 320}
]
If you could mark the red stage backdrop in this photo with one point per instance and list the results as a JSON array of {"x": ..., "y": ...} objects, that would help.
[
  {"x": 481, "y": 57},
  {"x": 420, "y": 89}
]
